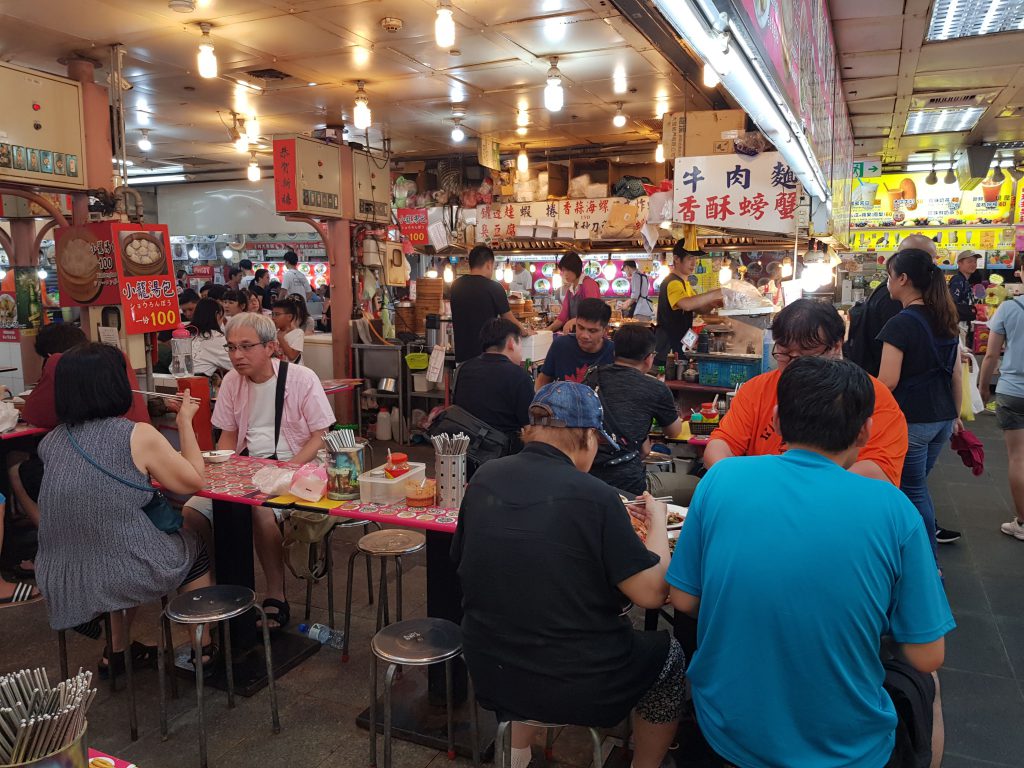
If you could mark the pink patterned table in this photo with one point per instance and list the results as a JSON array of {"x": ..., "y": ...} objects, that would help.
[{"x": 425, "y": 518}]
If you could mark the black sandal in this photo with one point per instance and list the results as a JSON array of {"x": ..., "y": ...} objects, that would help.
[
  {"x": 281, "y": 614},
  {"x": 211, "y": 653},
  {"x": 143, "y": 657}
]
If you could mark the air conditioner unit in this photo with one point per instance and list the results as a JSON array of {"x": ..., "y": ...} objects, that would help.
[{"x": 972, "y": 166}]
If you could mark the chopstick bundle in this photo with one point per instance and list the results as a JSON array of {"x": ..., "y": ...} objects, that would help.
[
  {"x": 451, "y": 445},
  {"x": 37, "y": 720},
  {"x": 340, "y": 440},
  {"x": 164, "y": 395},
  {"x": 639, "y": 500}
]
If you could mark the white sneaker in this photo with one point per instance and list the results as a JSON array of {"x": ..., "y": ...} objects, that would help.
[{"x": 1013, "y": 528}]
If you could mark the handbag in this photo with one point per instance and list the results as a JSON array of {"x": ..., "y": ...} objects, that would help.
[
  {"x": 158, "y": 509},
  {"x": 485, "y": 442}
]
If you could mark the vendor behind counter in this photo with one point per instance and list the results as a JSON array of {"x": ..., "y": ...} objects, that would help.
[{"x": 678, "y": 301}]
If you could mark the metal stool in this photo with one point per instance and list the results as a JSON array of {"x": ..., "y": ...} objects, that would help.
[
  {"x": 62, "y": 649},
  {"x": 199, "y": 608},
  {"x": 382, "y": 545},
  {"x": 418, "y": 643},
  {"x": 503, "y": 746},
  {"x": 328, "y": 565}
]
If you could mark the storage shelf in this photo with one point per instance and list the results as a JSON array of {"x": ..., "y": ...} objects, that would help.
[{"x": 686, "y": 386}]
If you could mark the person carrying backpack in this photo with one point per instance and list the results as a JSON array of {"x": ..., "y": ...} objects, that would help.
[{"x": 920, "y": 355}]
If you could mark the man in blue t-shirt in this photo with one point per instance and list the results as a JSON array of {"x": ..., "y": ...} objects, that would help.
[
  {"x": 571, "y": 356},
  {"x": 787, "y": 670}
]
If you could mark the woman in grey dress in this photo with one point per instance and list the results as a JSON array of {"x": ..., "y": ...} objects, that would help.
[{"x": 99, "y": 552}]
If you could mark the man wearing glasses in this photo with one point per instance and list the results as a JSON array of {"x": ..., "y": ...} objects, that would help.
[
  {"x": 271, "y": 410},
  {"x": 807, "y": 328}
]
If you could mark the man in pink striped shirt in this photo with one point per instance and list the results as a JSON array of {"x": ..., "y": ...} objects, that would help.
[{"x": 247, "y": 415}]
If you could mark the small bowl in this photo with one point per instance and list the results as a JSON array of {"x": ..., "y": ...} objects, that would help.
[{"x": 217, "y": 457}]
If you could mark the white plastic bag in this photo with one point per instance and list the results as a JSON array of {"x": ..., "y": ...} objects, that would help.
[
  {"x": 274, "y": 481},
  {"x": 8, "y": 416},
  {"x": 739, "y": 294}
]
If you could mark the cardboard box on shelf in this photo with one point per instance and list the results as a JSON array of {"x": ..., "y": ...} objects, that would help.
[{"x": 713, "y": 132}]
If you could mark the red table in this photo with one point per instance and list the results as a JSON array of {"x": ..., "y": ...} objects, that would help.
[{"x": 21, "y": 429}]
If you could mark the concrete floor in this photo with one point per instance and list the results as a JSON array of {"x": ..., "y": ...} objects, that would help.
[{"x": 982, "y": 679}]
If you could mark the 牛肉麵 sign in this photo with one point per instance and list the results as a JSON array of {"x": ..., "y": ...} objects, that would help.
[{"x": 758, "y": 193}]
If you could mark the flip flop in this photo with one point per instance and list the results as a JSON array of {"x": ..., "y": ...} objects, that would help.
[
  {"x": 212, "y": 653},
  {"x": 22, "y": 595},
  {"x": 281, "y": 614}
]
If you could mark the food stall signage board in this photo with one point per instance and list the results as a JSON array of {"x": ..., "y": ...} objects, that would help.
[
  {"x": 607, "y": 218},
  {"x": 489, "y": 152},
  {"x": 412, "y": 222},
  {"x": 307, "y": 177},
  {"x": 906, "y": 200},
  {"x": 148, "y": 291},
  {"x": 758, "y": 193},
  {"x": 86, "y": 272}
]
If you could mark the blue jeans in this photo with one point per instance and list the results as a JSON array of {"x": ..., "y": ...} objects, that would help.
[{"x": 926, "y": 441}]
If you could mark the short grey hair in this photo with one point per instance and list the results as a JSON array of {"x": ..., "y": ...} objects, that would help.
[{"x": 263, "y": 325}]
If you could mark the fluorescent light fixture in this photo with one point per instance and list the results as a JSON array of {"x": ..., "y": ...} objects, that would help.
[
  {"x": 620, "y": 119},
  {"x": 361, "y": 114},
  {"x": 160, "y": 170},
  {"x": 742, "y": 73},
  {"x": 142, "y": 112},
  {"x": 554, "y": 97},
  {"x": 457, "y": 93},
  {"x": 953, "y": 120},
  {"x": 158, "y": 179},
  {"x": 952, "y": 19},
  {"x": 144, "y": 143},
  {"x": 619, "y": 82},
  {"x": 444, "y": 25},
  {"x": 252, "y": 129},
  {"x": 206, "y": 59},
  {"x": 554, "y": 29}
]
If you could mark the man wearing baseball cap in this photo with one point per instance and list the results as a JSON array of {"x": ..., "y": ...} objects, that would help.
[
  {"x": 961, "y": 287},
  {"x": 549, "y": 562}
]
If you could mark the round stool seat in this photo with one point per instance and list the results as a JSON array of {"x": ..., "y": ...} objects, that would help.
[
  {"x": 418, "y": 642},
  {"x": 390, "y": 543},
  {"x": 658, "y": 460},
  {"x": 208, "y": 604},
  {"x": 348, "y": 522}
]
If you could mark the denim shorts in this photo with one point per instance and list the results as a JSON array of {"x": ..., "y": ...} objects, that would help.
[{"x": 1010, "y": 412}]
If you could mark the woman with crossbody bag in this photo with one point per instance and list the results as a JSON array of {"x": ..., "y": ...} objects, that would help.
[
  {"x": 920, "y": 352},
  {"x": 1006, "y": 338}
]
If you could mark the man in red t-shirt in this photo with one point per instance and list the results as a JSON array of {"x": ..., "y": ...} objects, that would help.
[{"x": 807, "y": 328}]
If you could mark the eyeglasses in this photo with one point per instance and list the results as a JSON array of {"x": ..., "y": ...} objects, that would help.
[
  {"x": 785, "y": 357},
  {"x": 243, "y": 348}
]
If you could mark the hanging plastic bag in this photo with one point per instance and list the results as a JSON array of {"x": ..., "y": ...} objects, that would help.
[{"x": 970, "y": 399}]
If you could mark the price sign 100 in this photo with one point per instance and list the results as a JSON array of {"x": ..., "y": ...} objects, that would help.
[{"x": 168, "y": 317}]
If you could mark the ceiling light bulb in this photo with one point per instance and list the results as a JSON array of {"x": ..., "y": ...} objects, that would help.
[
  {"x": 522, "y": 117},
  {"x": 457, "y": 133},
  {"x": 361, "y": 115},
  {"x": 144, "y": 143},
  {"x": 41, "y": 273},
  {"x": 193, "y": 252},
  {"x": 449, "y": 273},
  {"x": 932, "y": 178},
  {"x": 444, "y": 25},
  {"x": 522, "y": 160},
  {"x": 711, "y": 78},
  {"x": 609, "y": 270},
  {"x": 226, "y": 253},
  {"x": 431, "y": 273},
  {"x": 521, "y": 130},
  {"x": 554, "y": 97},
  {"x": 242, "y": 143},
  {"x": 206, "y": 58},
  {"x": 950, "y": 177},
  {"x": 620, "y": 119},
  {"x": 659, "y": 154},
  {"x": 254, "y": 169}
]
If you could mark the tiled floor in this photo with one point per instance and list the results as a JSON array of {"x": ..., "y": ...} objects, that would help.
[{"x": 981, "y": 683}]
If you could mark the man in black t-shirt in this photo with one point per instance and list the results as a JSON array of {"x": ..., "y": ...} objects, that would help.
[
  {"x": 493, "y": 386},
  {"x": 631, "y": 400},
  {"x": 572, "y": 355},
  {"x": 475, "y": 299}
]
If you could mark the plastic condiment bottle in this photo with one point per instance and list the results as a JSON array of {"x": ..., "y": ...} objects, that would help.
[
  {"x": 181, "y": 352},
  {"x": 670, "y": 367},
  {"x": 384, "y": 425}
]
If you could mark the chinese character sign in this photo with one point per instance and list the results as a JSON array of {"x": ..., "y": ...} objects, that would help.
[
  {"x": 147, "y": 290},
  {"x": 413, "y": 224},
  {"x": 285, "y": 187},
  {"x": 86, "y": 274},
  {"x": 907, "y": 200},
  {"x": 602, "y": 218},
  {"x": 735, "y": 191}
]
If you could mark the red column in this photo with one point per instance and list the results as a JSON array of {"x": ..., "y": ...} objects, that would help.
[
  {"x": 199, "y": 388},
  {"x": 339, "y": 256},
  {"x": 96, "y": 116}
]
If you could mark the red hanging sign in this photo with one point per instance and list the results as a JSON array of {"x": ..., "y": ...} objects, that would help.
[
  {"x": 413, "y": 224},
  {"x": 149, "y": 294}
]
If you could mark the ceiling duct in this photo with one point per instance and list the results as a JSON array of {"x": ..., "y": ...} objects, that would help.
[{"x": 972, "y": 166}]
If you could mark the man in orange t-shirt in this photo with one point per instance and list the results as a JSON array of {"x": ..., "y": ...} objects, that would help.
[{"x": 807, "y": 328}]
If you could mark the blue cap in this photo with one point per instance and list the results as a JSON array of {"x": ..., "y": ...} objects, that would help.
[{"x": 568, "y": 404}]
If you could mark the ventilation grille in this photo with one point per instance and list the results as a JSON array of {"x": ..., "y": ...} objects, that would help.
[{"x": 268, "y": 74}]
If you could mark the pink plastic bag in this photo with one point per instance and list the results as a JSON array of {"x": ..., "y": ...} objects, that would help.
[{"x": 309, "y": 482}]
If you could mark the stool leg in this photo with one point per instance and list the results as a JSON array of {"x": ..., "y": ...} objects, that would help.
[
  {"x": 474, "y": 724},
  {"x": 309, "y": 598},
  {"x": 197, "y": 652},
  {"x": 389, "y": 680},
  {"x": 275, "y": 718},
  {"x": 229, "y": 666},
  {"x": 369, "y": 567},
  {"x": 595, "y": 739},
  {"x": 502, "y": 757},
  {"x": 161, "y": 671},
  {"x": 165, "y": 627},
  {"x": 383, "y": 619},
  {"x": 549, "y": 744},
  {"x": 398, "y": 589},
  {"x": 133, "y": 721},
  {"x": 62, "y": 650},
  {"x": 329, "y": 561},
  {"x": 373, "y": 710},
  {"x": 107, "y": 632},
  {"x": 449, "y": 704},
  {"x": 348, "y": 604}
]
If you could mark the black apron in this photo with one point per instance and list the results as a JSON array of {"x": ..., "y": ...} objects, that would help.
[{"x": 672, "y": 323}]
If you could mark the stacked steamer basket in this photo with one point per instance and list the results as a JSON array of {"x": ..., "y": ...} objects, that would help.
[{"x": 428, "y": 301}]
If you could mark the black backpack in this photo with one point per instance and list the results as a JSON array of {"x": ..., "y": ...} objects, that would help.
[
  {"x": 912, "y": 694},
  {"x": 485, "y": 442}
]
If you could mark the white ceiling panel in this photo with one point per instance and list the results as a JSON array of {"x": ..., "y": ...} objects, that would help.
[
  {"x": 363, "y": 20},
  {"x": 965, "y": 79},
  {"x": 883, "y": 106},
  {"x": 880, "y": 64},
  {"x": 560, "y": 35},
  {"x": 490, "y": 13},
  {"x": 868, "y": 88},
  {"x": 863, "y": 9},
  {"x": 282, "y": 36},
  {"x": 858, "y": 35},
  {"x": 354, "y": 63},
  {"x": 972, "y": 53}
]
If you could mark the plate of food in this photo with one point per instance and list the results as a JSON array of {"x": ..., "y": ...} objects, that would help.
[{"x": 217, "y": 457}]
